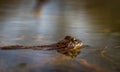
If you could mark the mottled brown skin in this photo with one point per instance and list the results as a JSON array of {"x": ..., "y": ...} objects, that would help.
[{"x": 68, "y": 42}]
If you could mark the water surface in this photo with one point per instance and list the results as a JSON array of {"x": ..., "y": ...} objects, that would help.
[{"x": 96, "y": 23}]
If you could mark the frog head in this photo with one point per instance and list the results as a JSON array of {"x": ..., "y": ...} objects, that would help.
[
  {"x": 74, "y": 42},
  {"x": 74, "y": 47},
  {"x": 77, "y": 43}
]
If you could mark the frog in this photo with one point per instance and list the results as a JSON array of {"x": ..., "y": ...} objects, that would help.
[
  {"x": 69, "y": 46},
  {"x": 73, "y": 48}
]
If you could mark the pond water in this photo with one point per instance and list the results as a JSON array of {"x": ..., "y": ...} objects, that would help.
[{"x": 95, "y": 22}]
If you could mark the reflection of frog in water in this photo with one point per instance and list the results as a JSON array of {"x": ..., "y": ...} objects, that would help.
[{"x": 69, "y": 46}]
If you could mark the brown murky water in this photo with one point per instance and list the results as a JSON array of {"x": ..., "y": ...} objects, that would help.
[{"x": 95, "y": 22}]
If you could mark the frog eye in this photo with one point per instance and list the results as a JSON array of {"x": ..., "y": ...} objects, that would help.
[{"x": 74, "y": 40}]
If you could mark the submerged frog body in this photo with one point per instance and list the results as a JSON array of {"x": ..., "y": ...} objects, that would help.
[{"x": 69, "y": 46}]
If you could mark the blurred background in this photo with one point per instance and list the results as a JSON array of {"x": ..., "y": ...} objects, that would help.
[{"x": 39, "y": 22}]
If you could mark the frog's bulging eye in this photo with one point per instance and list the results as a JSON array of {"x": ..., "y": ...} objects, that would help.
[{"x": 74, "y": 40}]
